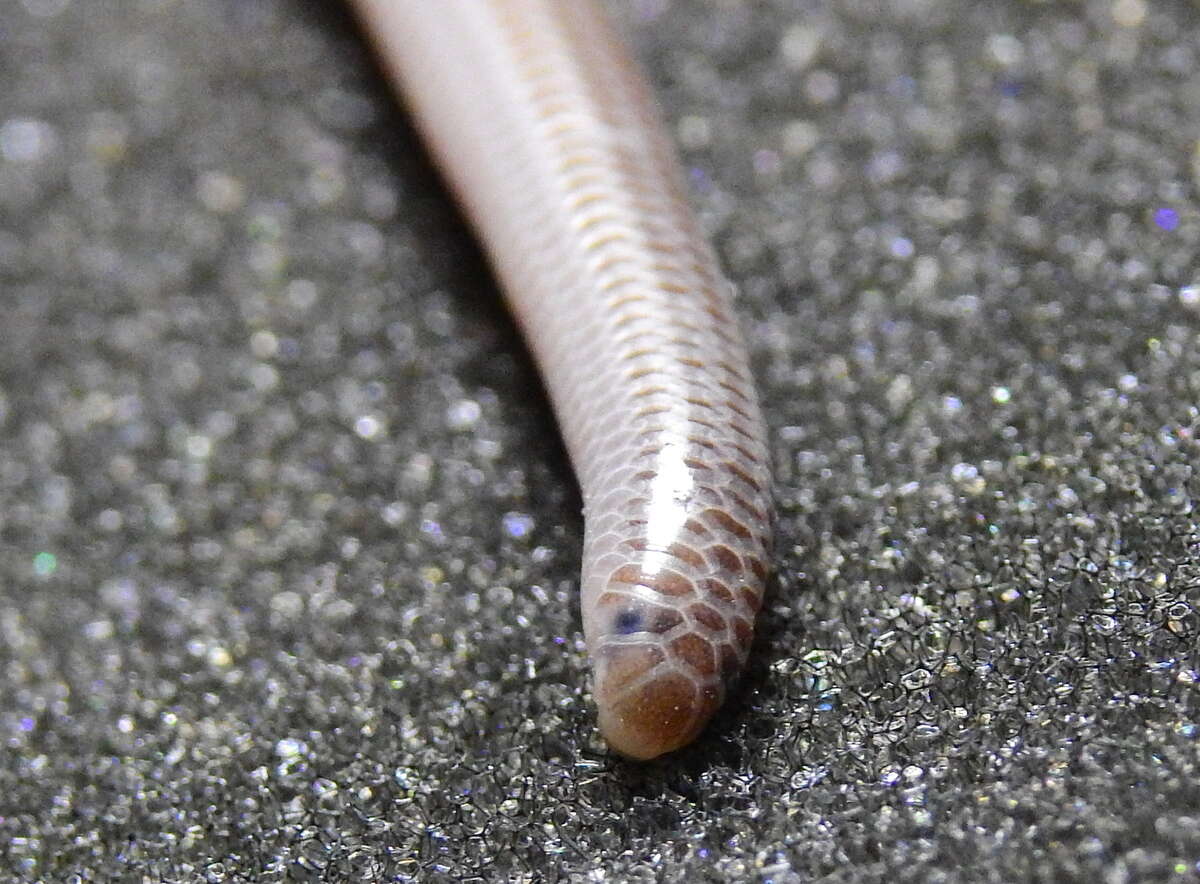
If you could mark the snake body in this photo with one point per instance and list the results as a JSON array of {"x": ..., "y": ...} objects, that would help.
[{"x": 551, "y": 141}]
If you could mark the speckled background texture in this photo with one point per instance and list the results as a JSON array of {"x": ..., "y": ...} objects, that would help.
[{"x": 289, "y": 546}]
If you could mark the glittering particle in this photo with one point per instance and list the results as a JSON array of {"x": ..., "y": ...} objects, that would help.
[
  {"x": 916, "y": 679},
  {"x": 1001, "y": 395},
  {"x": 324, "y": 788},
  {"x": 219, "y": 657},
  {"x": 1129, "y": 13},
  {"x": 1166, "y": 218},
  {"x": 45, "y": 564},
  {"x": 99, "y": 630},
  {"x": 287, "y": 605},
  {"x": 463, "y": 415},
  {"x": 488, "y": 449},
  {"x": 901, "y": 247},
  {"x": 966, "y": 475},
  {"x": 369, "y": 427},
  {"x": 26, "y": 140},
  {"x": 301, "y": 295},
  {"x": 418, "y": 472},
  {"x": 1005, "y": 50},
  {"x": 262, "y": 377},
  {"x": 406, "y": 778},
  {"x": 822, "y": 87},
  {"x": 799, "y": 137},
  {"x": 198, "y": 447},
  {"x": 395, "y": 513},
  {"x": 290, "y": 748},
  {"x": 264, "y": 344},
  {"x": 366, "y": 241},
  {"x": 799, "y": 46},
  {"x": 766, "y": 162},
  {"x": 885, "y": 167},
  {"x": 695, "y": 132},
  {"x": 517, "y": 524},
  {"x": 219, "y": 192},
  {"x": 900, "y": 392}
]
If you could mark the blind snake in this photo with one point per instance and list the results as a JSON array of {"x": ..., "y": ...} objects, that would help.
[{"x": 550, "y": 140}]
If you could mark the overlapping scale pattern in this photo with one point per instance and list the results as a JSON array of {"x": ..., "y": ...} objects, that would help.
[{"x": 551, "y": 142}]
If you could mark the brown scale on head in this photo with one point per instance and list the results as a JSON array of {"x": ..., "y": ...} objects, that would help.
[{"x": 673, "y": 632}]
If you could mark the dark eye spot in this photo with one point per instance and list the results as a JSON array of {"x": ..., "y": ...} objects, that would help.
[{"x": 626, "y": 622}]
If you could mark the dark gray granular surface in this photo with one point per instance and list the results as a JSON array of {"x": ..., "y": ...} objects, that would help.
[{"x": 289, "y": 546}]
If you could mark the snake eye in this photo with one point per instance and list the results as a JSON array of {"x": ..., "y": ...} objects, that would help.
[{"x": 627, "y": 622}]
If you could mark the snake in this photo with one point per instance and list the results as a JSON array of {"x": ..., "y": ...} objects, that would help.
[{"x": 548, "y": 135}]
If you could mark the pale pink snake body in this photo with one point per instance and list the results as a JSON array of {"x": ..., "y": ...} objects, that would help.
[{"x": 552, "y": 144}]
